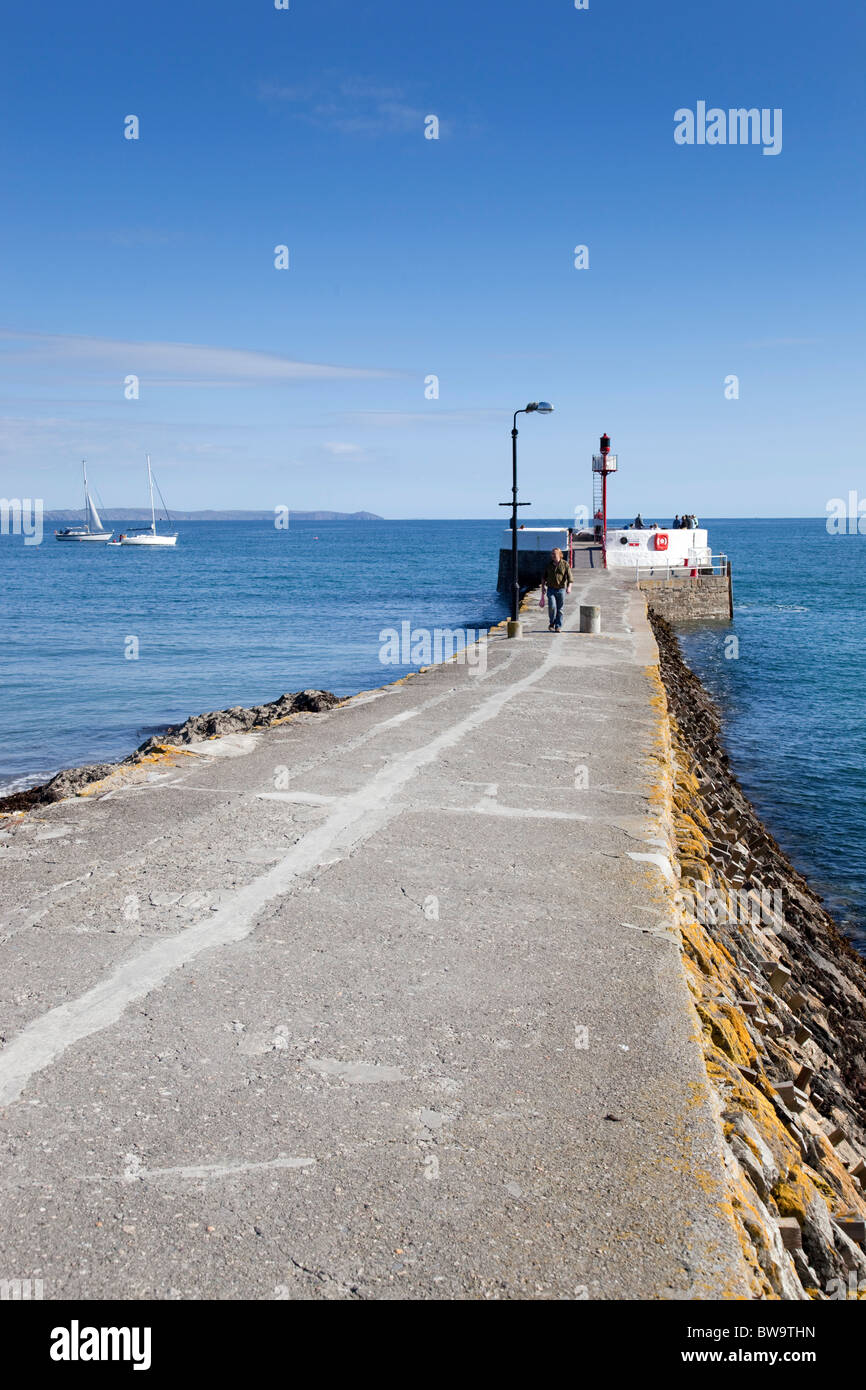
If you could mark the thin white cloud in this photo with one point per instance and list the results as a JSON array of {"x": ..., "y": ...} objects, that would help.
[
  {"x": 350, "y": 105},
  {"x": 432, "y": 416},
  {"x": 340, "y": 450},
  {"x": 371, "y": 91},
  {"x": 278, "y": 91},
  {"x": 170, "y": 363},
  {"x": 39, "y": 444}
]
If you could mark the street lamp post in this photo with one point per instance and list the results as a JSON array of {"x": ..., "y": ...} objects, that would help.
[{"x": 543, "y": 408}]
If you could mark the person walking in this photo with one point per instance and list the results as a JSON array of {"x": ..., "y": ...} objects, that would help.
[{"x": 557, "y": 580}]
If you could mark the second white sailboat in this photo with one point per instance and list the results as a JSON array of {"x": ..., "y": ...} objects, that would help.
[{"x": 148, "y": 535}]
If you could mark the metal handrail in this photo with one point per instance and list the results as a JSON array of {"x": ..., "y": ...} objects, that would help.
[{"x": 717, "y": 565}]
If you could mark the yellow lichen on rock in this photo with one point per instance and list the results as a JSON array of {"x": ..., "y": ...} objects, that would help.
[{"x": 769, "y": 1179}]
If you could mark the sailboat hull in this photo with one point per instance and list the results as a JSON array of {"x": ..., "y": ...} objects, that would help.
[
  {"x": 149, "y": 540},
  {"x": 102, "y": 536}
]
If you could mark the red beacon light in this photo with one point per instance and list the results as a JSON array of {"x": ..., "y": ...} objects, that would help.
[{"x": 603, "y": 463}]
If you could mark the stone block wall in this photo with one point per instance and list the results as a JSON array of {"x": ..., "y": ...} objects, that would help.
[{"x": 690, "y": 600}]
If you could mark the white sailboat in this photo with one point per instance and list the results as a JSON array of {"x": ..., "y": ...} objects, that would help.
[
  {"x": 93, "y": 529},
  {"x": 148, "y": 535}
]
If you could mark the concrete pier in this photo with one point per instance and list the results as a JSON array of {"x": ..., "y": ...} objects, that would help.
[
  {"x": 386, "y": 1002},
  {"x": 678, "y": 593}
]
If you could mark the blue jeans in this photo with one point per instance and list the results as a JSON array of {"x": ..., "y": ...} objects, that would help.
[{"x": 555, "y": 600}]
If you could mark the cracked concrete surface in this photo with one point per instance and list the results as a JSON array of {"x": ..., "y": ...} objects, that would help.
[{"x": 379, "y": 1003}]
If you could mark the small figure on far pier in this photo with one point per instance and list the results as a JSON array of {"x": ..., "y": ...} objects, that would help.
[{"x": 637, "y": 524}]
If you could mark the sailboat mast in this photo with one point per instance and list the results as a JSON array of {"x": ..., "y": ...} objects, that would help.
[
  {"x": 152, "y": 512},
  {"x": 86, "y": 495}
]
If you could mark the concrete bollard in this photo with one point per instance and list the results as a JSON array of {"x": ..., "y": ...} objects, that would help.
[
  {"x": 514, "y": 629},
  {"x": 590, "y": 617}
]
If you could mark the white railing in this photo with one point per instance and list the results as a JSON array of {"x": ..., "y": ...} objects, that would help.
[{"x": 713, "y": 564}]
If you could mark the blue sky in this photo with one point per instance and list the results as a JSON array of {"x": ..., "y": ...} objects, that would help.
[{"x": 411, "y": 257}]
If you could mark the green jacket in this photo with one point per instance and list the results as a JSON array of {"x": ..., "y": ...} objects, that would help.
[{"x": 558, "y": 575}]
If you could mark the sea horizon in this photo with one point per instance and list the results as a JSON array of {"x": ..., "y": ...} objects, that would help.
[{"x": 313, "y": 514}]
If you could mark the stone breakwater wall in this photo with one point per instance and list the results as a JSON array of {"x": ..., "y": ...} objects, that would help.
[
  {"x": 690, "y": 599},
  {"x": 781, "y": 998},
  {"x": 240, "y": 719}
]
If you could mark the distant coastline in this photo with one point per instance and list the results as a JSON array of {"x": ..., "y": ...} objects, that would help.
[{"x": 143, "y": 514}]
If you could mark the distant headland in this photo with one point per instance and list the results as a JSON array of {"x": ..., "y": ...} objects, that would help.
[{"x": 143, "y": 514}]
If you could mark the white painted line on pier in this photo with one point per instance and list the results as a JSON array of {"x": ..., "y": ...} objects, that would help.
[
  {"x": 661, "y": 861},
  {"x": 356, "y": 1073},
  {"x": 493, "y": 808},
  {"x": 135, "y": 1171},
  {"x": 308, "y": 798},
  {"x": 398, "y": 719},
  {"x": 357, "y": 817},
  {"x": 662, "y": 931}
]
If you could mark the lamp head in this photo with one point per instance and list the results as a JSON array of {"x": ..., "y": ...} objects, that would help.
[{"x": 544, "y": 408}]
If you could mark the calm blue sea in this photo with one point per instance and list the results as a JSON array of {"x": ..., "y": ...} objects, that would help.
[
  {"x": 794, "y": 698},
  {"x": 239, "y": 613},
  {"x": 236, "y": 614}
]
